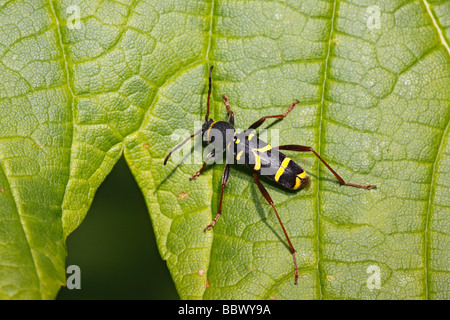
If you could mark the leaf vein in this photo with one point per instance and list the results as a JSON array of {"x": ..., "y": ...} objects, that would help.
[{"x": 428, "y": 217}]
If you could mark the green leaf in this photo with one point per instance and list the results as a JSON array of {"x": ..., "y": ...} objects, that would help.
[{"x": 374, "y": 102}]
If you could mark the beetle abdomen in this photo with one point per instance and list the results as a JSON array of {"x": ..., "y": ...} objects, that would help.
[{"x": 269, "y": 162}]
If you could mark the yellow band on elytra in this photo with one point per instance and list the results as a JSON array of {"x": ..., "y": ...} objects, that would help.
[
  {"x": 280, "y": 171},
  {"x": 258, "y": 162},
  {"x": 265, "y": 149},
  {"x": 298, "y": 182},
  {"x": 285, "y": 162},
  {"x": 209, "y": 129}
]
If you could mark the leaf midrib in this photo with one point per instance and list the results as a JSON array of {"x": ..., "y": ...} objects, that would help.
[
  {"x": 322, "y": 106},
  {"x": 428, "y": 216},
  {"x": 433, "y": 172},
  {"x": 72, "y": 98},
  {"x": 210, "y": 35},
  {"x": 436, "y": 26}
]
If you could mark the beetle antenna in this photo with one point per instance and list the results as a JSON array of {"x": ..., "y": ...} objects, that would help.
[
  {"x": 178, "y": 146},
  {"x": 209, "y": 94}
]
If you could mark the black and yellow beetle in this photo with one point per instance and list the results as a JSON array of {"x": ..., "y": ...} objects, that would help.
[{"x": 247, "y": 149}]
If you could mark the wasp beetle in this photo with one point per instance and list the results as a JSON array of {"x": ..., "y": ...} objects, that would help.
[{"x": 247, "y": 149}]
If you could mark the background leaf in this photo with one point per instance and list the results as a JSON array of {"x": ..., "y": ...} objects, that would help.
[{"x": 374, "y": 102}]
